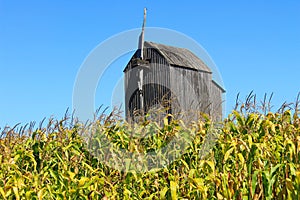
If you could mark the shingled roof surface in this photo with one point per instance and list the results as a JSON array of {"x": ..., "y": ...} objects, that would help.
[{"x": 179, "y": 56}]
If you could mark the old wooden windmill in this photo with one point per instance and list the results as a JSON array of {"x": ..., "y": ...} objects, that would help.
[{"x": 161, "y": 78}]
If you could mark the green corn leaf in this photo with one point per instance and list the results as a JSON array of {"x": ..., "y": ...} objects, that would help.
[
  {"x": 273, "y": 169},
  {"x": 254, "y": 182}
]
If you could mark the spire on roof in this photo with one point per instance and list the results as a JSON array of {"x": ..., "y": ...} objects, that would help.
[{"x": 141, "y": 38}]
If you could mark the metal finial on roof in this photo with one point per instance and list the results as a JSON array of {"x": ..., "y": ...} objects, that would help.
[{"x": 141, "y": 38}]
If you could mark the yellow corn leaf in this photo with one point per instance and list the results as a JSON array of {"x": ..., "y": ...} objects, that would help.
[
  {"x": 72, "y": 175},
  {"x": 28, "y": 194},
  {"x": 173, "y": 188},
  {"x": 40, "y": 194},
  {"x": 219, "y": 196},
  {"x": 211, "y": 164},
  {"x": 166, "y": 121},
  {"x": 289, "y": 184},
  {"x": 8, "y": 191},
  {"x": 82, "y": 181},
  {"x": 241, "y": 158},
  {"x": 88, "y": 166},
  {"x": 272, "y": 127},
  {"x": 227, "y": 154},
  {"x": 191, "y": 173},
  {"x": 127, "y": 192},
  {"x": 163, "y": 192},
  {"x": 298, "y": 175},
  {"x": 199, "y": 183},
  {"x": 250, "y": 140},
  {"x": 16, "y": 191},
  {"x": 2, "y": 192},
  {"x": 16, "y": 157}
]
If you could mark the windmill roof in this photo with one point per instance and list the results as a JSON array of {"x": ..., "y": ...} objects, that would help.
[{"x": 179, "y": 56}]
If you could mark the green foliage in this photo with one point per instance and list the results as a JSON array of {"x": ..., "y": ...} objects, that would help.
[{"x": 255, "y": 156}]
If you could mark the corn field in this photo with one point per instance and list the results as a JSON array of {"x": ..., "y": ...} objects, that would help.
[{"x": 255, "y": 155}]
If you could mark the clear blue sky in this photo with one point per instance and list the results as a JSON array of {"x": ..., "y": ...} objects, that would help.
[{"x": 255, "y": 44}]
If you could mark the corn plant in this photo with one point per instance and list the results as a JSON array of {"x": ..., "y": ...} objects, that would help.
[{"x": 252, "y": 154}]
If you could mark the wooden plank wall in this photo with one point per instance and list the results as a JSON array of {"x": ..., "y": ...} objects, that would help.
[
  {"x": 157, "y": 73},
  {"x": 191, "y": 91},
  {"x": 216, "y": 99}
]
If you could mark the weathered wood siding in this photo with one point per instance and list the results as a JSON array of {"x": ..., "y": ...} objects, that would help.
[
  {"x": 188, "y": 92},
  {"x": 191, "y": 90},
  {"x": 156, "y": 82},
  {"x": 216, "y": 99}
]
